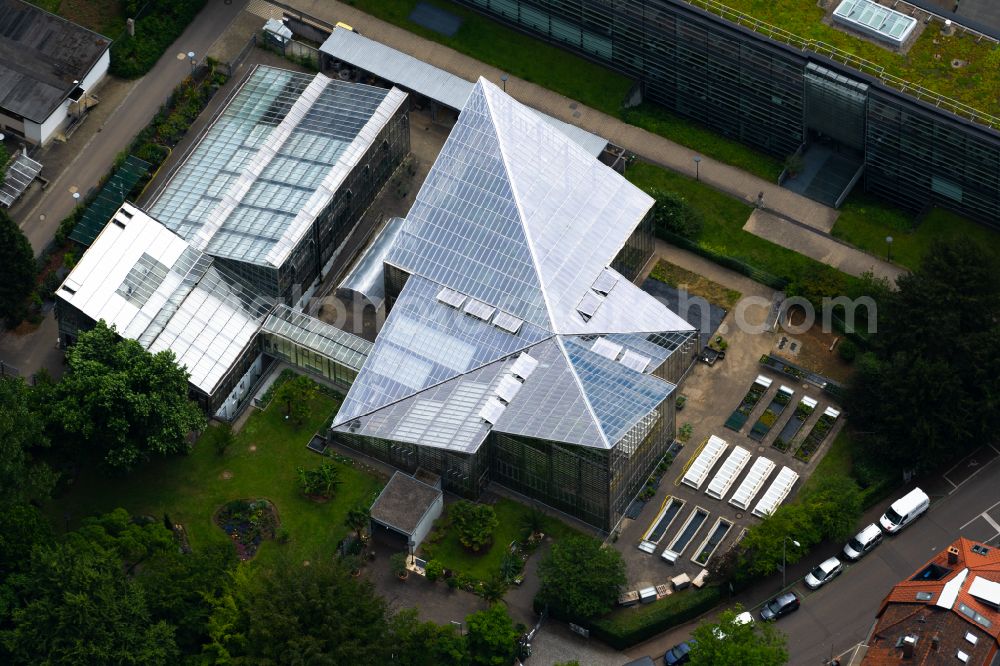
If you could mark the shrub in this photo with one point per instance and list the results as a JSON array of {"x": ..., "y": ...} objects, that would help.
[
  {"x": 163, "y": 22},
  {"x": 510, "y": 566},
  {"x": 319, "y": 481},
  {"x": 673, "y": 213},
  {"x": 434, "y": 570},
  {"x": 847, "y": 350},
  {"x": 474, "y": 523},
  {"x": 223, "y": 439},
  {"x": 398, "y": 564}
]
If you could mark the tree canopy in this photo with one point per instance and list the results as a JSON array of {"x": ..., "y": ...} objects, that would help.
[
  {"x": 19, "y": 269},
  {"x": 930, "y": 391},
  {"x": 474, "y": 523},
  {"x": 491, "y": 637},
  {"x": 727, "y": 641},
  {"x": 120, "y": 402},
  {"x": 22, "y": 431},
  {"x": 580, "y": 578}
]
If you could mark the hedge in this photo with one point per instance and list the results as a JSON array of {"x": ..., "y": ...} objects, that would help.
[
  {"x": 162, "y": 23},
  {"x": 625, "y": 627}
]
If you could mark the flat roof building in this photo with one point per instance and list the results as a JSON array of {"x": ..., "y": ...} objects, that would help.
[
  {"x": 47, "y": 65},
  {"x": 405, "y": 511},
  {"x": 514, "y": 325}
]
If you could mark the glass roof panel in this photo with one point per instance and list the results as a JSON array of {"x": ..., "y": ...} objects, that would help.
[
  {"x": 340, "y": 346},
  {"x": 619, "y": 396}
]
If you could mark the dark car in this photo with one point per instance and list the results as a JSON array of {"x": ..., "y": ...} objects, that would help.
[
  {"x": 678, "y": 654},
  {"x": 781, "y": 605}
]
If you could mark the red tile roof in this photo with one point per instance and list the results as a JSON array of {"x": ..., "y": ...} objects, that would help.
[{"x": 902, "y": 613}]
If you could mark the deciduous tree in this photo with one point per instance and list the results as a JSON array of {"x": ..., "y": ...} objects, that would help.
[
  {"x": 22, "y": 432},
  {"x": 491, "y": 637},
  {"x": 122, "y": 403},
  {"x": 580, "y": 578},
  {"x": 19, "y": 270},
  {"x": 474, "y": 523},
  {"x": 727, "y": 641}
]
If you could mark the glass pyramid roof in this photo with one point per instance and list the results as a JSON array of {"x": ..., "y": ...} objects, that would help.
[{"x": 516, "y": 222}]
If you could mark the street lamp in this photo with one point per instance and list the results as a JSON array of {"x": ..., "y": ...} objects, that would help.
[
  {"x": 503, "y": 80},
  {"x": 888, "y": 248},
  {"x": 191, "y": 55},
  {"x": 784, "y": 542},
  {"x": 697, "y": 167}
]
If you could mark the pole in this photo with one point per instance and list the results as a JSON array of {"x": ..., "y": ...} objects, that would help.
[{"x": 784, "y": 543}]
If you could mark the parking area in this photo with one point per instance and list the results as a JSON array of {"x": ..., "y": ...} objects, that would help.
[
  {"x": 966, "y": 468},
  {"x": 985, "y": 527},
  {"x": 705, "y": 501}
]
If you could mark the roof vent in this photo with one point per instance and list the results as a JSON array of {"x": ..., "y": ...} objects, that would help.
[
  {"x": 953, "y": 555},
  {"x": 962, "y": 657},
  {"x": 935, "y": 642},
  {"x": 909, "y": 643}
]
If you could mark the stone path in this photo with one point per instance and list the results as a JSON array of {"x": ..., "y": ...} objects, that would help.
[{"x": 818, "y": 245}]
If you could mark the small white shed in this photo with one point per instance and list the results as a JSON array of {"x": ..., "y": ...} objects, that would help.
[{"x": 405, "y": 511}]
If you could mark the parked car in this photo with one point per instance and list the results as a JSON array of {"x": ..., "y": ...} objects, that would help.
[
  {"x": 678, "y": 654},
  {"x": 862, "y": 542},
  {"x": 824, "y": 573},
  {"x": 781, "y": 605},
  {"x": 904, "y": 511}
]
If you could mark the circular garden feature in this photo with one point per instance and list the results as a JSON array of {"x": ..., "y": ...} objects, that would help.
[{"x": 248, "y": 523}]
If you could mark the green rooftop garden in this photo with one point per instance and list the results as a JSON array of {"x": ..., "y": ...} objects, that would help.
[{"x": 928, "y": 62}]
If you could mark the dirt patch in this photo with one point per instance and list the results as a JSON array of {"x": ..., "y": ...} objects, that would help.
[
  {"x": 696, "y": 285},
  {"x": 812, "y": 349},
  {"x": 253, "y": 448},
  {"x": 226, "y": 475}
]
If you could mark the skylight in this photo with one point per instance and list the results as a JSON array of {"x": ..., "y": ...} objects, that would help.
[{"x": 875, "y": 20}]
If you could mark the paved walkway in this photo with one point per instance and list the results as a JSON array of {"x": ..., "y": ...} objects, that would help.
[
  {"x": 92, "y": 150},
  {"x": 819, "y": 245},
  {"x": 650, "y": 147}
]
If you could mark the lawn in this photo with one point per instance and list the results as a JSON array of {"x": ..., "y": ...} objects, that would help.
[
  {"x": 928, "y": 62},
  {"x": 523, "y": 56},
  {"x": 724, "y": 217},
  {"x": 695, "y": 284},
  {"x": 865, "y": 222},
  {"x": 483, "y": 565},
  {"x": 710, "y": 143},
  {"x": 190, "y": 488}
]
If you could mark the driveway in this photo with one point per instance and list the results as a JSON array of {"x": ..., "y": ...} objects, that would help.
[{"x": 39, "y": 217}]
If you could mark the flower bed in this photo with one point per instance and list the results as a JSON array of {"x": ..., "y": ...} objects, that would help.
[
  {"x": 750, "y": 400},
  {"x": 802, "y": 412},
  {"x": 818, "y": 433},
  {"x": 248, "y": 523},
  {"x": 771, "y": 414}
]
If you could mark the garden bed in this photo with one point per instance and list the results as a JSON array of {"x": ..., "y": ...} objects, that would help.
[
  {"x": 750, "y": 400},
  {"x": 818, "y": 434},
  {"x": 771, "y": 414},
  {"x": 248, "y": 524},
  {"x": 802, "y": 413}
]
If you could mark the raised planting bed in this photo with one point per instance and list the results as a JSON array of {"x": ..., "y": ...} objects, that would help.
[
  {"x": 686, "y": 534},
  {"x": 750, "y": 400},
  {"x": 712, "y": 541},
  {"x": 248, "y": 523},
  {"x": 818, "y": 433},
  {"x": 802, "y": 412},
  {"x": 671, "y": 507},
  {"x": 771, "y": 414}
]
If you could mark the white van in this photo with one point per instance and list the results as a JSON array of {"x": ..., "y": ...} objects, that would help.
[{"x": 904, "y": 511}]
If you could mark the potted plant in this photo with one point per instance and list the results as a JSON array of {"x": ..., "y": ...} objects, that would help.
[{"x": 398, "y": 564}]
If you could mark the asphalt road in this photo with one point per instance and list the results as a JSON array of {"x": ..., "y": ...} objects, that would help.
[
  {"x": 98, "y": 154},
  {"x": 964, "y": 502}
]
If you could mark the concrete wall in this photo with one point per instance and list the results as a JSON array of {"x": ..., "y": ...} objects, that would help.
[{"x": 425, "y": 524}]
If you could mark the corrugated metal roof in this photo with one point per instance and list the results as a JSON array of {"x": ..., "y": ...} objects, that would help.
[{"x": 424, "y": 79}]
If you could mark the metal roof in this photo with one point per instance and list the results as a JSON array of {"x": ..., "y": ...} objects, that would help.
[
  {"x": 155, "y": 288},
  {"x": 425, "y": 79},
  {"x": 41, "y": 55},
  {"x": 20, "y": 173},
  {"x": 366, "y": 278},
  {"x": 512, "y": 216},
  {"x": 109, "y": 199},
  {"x": 271, "y": 162}
]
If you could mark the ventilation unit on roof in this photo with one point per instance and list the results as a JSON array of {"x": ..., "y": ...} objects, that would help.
[
  {"x": 507, "y": 322},
  {"x": 492, "y": 411},
  {"x": 636, "y": 362},
  {"x": 604, "y": 282},
  {"x": 606, "y": 348},
  {"x": 451, "y": 297},
  {"x": 508, "y": 388},
  {"x": 875, "y": 20},
  {"x": 524, "y": 366},
  {"x": 588, "y": 305},
  {"x": 478, "y": 309}
]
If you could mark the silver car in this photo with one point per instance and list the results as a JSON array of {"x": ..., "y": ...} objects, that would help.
[
  {"x": 863, "y": 542},
  {"x": 824, "y": 573}
]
